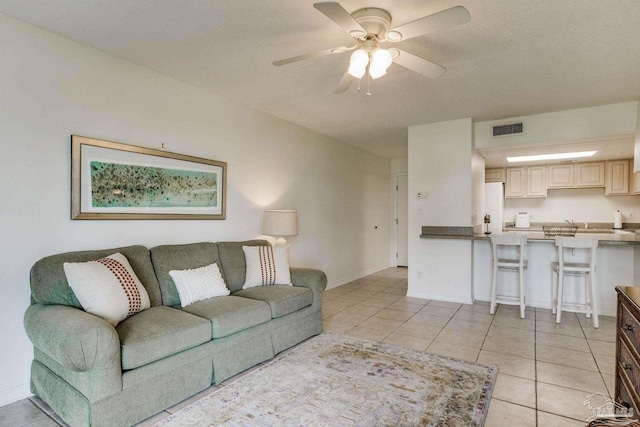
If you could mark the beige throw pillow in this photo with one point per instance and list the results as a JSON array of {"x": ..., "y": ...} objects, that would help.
[
  {"x": 199, "y": 283},
  {"x": 266, "y": 265},
  {"x": 107, "y": 287}
]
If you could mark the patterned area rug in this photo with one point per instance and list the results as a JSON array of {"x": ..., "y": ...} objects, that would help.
[{"x": 338, "y": 380}]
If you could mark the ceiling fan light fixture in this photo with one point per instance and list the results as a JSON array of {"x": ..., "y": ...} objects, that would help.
[
  {"x": 380, "y": 61},
  {"x": 358, "y": 63},
  {"x": 393, "y": 36}
]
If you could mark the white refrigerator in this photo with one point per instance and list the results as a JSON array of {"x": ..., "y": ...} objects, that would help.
[{"x": 494, "y": 205}]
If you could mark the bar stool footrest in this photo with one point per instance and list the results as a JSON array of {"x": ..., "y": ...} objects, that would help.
[{"x": 503, "y": 299}]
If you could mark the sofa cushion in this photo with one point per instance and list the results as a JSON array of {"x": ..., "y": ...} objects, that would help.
[
  {"x": 229, "y": 315},
  {"x": 232, "y": 262},
  {"x": 49, "y": 283},
  {"x": 180, "y": 257},
  {"x": 281, "y": 298},
  {"x": 159, "y": 332}
]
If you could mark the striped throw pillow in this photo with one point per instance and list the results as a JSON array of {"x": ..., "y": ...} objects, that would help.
[
  {"x": 266, "y": 265},
  {"x": 107, "y": 287}
]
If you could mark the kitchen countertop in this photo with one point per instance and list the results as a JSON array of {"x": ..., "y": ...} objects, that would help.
[
  {"x": 621, "y": 237},
  {"x": 605, "y": 236}
]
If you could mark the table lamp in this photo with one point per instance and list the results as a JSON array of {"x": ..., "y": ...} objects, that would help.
[{"x": 280, "y": 223}]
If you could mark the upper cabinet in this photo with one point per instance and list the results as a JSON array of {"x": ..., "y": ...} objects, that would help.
[
  {"x": 590, "y": 174},
  {"x": 576, "y": 175},
  {"x": 516, "y": 183},
  {"x": 526, "y": 182},
  {"x": 495, "y": 175},
  {"x": 635, "y": 180},
  {"x": 533, "y": 181},
  {"x": 537, "y": 181},
  {"x": 617, "y": 177},
  {"x": 561, "y": 176}
]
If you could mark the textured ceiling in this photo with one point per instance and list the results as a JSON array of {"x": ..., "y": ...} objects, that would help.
[{"x": 514, "y": 58}]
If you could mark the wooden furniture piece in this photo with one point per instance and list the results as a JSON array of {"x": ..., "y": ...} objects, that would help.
[
  {"x": 502, "y": 244},
  {"x": 563, "y": 268},
  {"x": 627, "y": 391}
]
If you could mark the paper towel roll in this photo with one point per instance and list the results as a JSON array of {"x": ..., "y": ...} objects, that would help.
[{"x": 617, "y": 219}]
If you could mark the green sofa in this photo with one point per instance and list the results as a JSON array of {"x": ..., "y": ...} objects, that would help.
[{"x": 93, "y": 374}]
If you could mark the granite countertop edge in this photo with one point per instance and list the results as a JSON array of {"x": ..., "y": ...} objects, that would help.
[{"x": 605, "y": 238}]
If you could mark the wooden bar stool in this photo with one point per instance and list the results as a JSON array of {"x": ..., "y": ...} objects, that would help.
[
  {"x": 562, "y": 268},
  {"x": 501, "y": 244}
]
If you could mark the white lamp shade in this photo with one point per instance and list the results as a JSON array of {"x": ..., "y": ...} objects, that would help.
[
  {"x": 380, "y": 61},
  {"x": 358, "y": 63},
  {"x": 280, "y": 223}
]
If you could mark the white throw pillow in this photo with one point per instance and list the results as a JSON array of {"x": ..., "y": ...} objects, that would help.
[
  {"x": 266, "y": 265},
  {"x": 199, "y": 283},
  {"x": 107, "y": 287}
]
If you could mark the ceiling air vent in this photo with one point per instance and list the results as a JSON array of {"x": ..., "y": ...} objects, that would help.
[{"x": 508, "y": 129}]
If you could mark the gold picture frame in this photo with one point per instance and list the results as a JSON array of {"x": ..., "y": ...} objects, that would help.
[{"x": 115, "y": 181}]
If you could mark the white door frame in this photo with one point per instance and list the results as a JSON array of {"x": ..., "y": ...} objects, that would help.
[{"x": 395, "y": 214}]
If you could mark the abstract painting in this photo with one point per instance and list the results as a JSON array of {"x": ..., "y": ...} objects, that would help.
[{"x": 118, "y": 181}]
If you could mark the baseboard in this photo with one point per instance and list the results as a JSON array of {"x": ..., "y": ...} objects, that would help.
[
  {"x": 440, "y": 297},
  {"x": 14, "y": 394},
  {"x": 344, "y": 280}
]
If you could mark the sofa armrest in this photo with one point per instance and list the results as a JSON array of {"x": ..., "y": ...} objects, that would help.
[
  {"x": 77, "y": 340},
  {"x": 315, "y": 280}
]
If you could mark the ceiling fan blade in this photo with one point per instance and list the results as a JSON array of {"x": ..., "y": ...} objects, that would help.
[
  {"x": 338, "y": 49},
  {"x": 344, "y": 84},
  {"x": 419, "y": 65},
  {"x": 438, "y": 21},
  {"x": 340, "y": 16}
]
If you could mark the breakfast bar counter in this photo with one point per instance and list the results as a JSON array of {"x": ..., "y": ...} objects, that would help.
[
  {"x": 618, "y": 264},
  {"x": 615, "y": 237}
]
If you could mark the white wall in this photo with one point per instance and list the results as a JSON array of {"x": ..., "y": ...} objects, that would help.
[
  {"x": 568, "y": 125},
  {"x": 581, "y": 205},
  {"x": 440, "y": 157},
  {"x": 51, "y": 88}
]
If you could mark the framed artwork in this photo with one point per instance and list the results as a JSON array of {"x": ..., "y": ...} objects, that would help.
[{"x": 110, "y": 180}]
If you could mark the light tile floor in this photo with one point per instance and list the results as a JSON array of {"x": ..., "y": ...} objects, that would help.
[{"x": 546, "y": 370}]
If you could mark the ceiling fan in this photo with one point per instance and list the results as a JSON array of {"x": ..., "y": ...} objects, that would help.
[{"x": 372, "y": 26}]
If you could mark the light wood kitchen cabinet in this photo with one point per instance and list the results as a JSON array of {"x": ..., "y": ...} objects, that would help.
[
  {"x": 561, "y": 176},
  {"x": 635, "y": 182},
  {"x": 536, "y": 181},
  {"x": 617, "y": 177},
  {"x": 526, "y": 182},
  {"x": 589, "y": 174},
  {"x": 516, "y": 183},
  {"x": 495, "y": 175}
]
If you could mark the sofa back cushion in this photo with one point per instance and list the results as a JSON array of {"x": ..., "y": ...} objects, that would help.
[
  {"x": 49, "y": 283},
  {"x": 180, "y": 257},
  {"x": 233, "y": 263}
]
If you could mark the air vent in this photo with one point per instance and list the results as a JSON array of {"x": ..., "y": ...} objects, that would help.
[{"x": 508, "y": 129}]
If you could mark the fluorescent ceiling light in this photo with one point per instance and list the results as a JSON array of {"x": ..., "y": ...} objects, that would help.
[{"x": 554, "y": 156}]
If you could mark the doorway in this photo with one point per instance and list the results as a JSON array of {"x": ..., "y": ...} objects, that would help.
[{"x": 402, "y": 220}]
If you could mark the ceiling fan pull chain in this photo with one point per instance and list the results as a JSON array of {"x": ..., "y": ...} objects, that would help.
[
  {"x": 359, "y": 80},
  {"x": 368, "y": 85}
]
